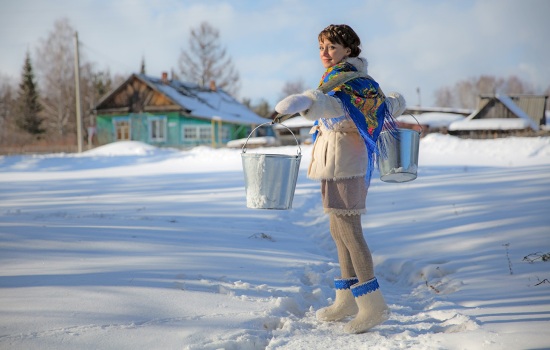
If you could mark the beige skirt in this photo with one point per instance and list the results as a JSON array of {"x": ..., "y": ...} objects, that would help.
[{"x": 344, "y": 196}]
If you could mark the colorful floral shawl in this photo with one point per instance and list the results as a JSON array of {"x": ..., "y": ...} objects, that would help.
[{"x": 364, "y": 102}]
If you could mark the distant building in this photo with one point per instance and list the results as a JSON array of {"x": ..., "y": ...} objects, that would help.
[
  {"x": 294, "y": 129},
  {"x": 171, "y": 113},
  {"x": 501, "y": 115}
]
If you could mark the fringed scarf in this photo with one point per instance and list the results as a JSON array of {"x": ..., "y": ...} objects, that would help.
[{"x": 363, "y": 102}]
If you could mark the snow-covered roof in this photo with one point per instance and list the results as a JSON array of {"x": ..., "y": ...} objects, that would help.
[
  {"x": 197, "y": 101},
  {"x": 204, "y": 103},
  {"x": 432, "y": 119},
  {"x": 490, "y": 124},
  {"x": 451, "y": 110}
]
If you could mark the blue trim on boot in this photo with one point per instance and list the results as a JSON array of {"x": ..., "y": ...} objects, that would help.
[
  {"x": 365, "y": 288},
  {"x": 345, "y": 283}
]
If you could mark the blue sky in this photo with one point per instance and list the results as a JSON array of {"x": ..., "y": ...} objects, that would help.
[{"x": 410, "y": 44}]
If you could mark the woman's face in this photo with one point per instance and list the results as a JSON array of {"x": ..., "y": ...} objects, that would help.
[{"x": 332, "y": 54}]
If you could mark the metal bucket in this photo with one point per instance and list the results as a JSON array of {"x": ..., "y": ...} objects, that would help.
[
  {"x": 400, "y": 163},
  {"x": 270, "y": 179}
]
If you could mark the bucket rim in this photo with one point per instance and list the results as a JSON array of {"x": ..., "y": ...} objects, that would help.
[
  {"x": 252, "y": 132},
  {"x": 401, "y": 130},
  {"x": 273, "y": 155},
  {"x": 417, "y": 122}
]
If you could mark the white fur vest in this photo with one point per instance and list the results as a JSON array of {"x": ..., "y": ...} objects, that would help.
[{"x": 338, "y": 152}]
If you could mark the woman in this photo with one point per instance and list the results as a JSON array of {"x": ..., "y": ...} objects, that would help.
[{"x": 348, "y": 121}]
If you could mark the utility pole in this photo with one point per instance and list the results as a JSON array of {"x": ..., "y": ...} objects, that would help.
[{"x": 77, "y": 87}]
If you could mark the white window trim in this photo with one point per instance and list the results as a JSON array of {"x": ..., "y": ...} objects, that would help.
[
  {"x": 117, "y": 120},
  {"x": 197, "y": 129},
  {"x": 164, "y": 129}
]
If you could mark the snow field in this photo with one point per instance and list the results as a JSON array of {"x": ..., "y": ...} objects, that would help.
[{"x": 129, "y": 246}]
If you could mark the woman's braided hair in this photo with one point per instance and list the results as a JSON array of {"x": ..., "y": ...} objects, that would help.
[{"x": 342, "y": 34}]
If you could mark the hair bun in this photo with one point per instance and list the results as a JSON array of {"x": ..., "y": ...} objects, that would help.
[{"x": 344, "y": 35}]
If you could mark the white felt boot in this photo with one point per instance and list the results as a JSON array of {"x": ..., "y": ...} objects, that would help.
[
  {"x": 372, "y": 307},
  {"x": 344, "y": 304}
]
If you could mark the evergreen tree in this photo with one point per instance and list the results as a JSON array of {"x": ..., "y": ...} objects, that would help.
[{"x": 27, "y": 105}]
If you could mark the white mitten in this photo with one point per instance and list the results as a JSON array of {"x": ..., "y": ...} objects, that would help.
[
  {"x": 396, "y": 103},
  {"x": 293, "y": 104}
]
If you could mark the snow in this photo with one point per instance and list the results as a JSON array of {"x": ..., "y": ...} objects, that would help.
[
  {"x": 122, "y": 148},
  {"x": 491, "y": 124},
  {"x": 131, "y": 247}
]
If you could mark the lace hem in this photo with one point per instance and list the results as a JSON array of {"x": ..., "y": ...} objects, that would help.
[
  {"x": 345, "y": 212},
  {"x": 320, "y": 178}
]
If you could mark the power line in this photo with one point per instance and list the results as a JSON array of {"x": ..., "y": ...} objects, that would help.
[{"x": 108, "y": 58}]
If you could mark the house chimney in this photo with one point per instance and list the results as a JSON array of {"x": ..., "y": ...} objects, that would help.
[
  {"x": 165, "y": 77},
  {"x": 213, "y": 85}
]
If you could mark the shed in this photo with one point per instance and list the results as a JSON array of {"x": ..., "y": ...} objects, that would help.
[
  {"x": 171, "y": 113},
  {"x": 502, "y": 115}
]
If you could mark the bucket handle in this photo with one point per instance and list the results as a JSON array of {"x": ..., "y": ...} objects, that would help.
[
  {"x": 252, "y": 132},
  {"x": 421, "y": 128}
]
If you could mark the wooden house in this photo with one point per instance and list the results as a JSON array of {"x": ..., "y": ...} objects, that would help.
[
  {"x": 501, "y": 115},
  {"x": 171, "y": 113}
]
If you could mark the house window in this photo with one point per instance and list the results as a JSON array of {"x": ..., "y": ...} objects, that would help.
[
  {"x": 205, "y": 132},
  {"x": 198, "y": 134},
  {"x": 226, "y": 134},
  {"x": 122, "y": 129},
  {"x": 190, "y": 133},
  {"x": 157, "y": 129}
]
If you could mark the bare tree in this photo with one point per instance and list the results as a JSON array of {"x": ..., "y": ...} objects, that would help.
[
  {"x": 7, "y": 96},
  {"x": 444, "y": 97},
  {"x": 292, "y": 87},
  {"x": 465, "y": 93},
  {"x": 262, "y": 108},
  {"x": 515, "y": 85},
  {"x": 55, "y": 65},
  {"x": 206, "y": 61},
  {"x": 93, "y": 85}
]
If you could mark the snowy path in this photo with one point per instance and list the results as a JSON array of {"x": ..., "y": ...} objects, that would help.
[{"x": 159, "y": 252}]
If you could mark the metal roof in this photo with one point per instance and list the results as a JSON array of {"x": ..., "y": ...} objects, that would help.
[
  {"x": 205, "y": 103},
  {"x": 197, "y": 101}
]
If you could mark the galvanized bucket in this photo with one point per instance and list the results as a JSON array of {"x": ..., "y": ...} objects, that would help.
[
  {"x": 400, "y": 161},
  {"x": 270, "y": 179}
]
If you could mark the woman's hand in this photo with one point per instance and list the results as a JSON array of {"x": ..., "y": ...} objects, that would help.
[
  {"x": 396, "y": 104},
  {"x": 294, "y": 104}
]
